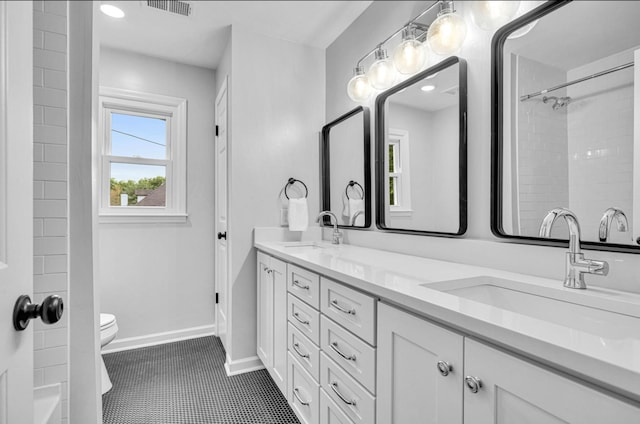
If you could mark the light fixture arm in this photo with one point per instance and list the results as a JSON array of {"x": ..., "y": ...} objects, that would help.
[{"x": 411, "y": 22}]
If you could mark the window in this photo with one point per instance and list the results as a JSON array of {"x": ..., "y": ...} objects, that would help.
[
  {"x": 142, "y": 147},
  {"x": 399, "y": 176}
]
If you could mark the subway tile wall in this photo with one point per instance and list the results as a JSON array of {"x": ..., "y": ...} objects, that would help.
[
  {"x": 542, "y": 149},
  {"x": 600, "y": 123},
  {"x": 51, "y": 342}
]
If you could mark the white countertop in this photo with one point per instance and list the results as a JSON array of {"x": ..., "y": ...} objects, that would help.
[{"x": 612, "y": 362}]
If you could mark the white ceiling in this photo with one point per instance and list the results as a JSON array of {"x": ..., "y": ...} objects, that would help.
[
  {"x": 579, "y": 33},
  {"x": 200, "y": 39}
]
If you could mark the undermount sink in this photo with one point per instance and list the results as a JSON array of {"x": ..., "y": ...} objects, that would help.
[
  {"x": 602, "y": 316},
  {"x": 303, "y": 244}
]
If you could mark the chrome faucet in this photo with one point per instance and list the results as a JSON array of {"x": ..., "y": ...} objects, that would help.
[
  {"x": 576, "y": 264},
  {"x": 610, "y": 215},
  {"x": 337, "y": 235}
]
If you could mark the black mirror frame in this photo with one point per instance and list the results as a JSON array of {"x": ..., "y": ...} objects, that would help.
[
  {"x": 326, "y": 165},
  {"x": 462, "y": 162},
  {"x": 497, "y": 123}
]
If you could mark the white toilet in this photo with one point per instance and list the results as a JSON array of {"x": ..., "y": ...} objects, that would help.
[{"x": 108, "y": 331}]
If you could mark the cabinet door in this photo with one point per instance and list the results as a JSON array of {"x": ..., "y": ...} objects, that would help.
[
  {"x": 279, "y": 274},
  {"x": 516, "y": 391},
  {"x": 411, "y": 388},
  {"x": 265, "y": 310}
]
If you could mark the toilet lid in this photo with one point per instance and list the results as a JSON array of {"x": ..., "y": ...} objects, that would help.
[{"x": 106, "y": 320}]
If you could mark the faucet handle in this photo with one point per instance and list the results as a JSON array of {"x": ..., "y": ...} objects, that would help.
[{"x": 598, "y": 267}]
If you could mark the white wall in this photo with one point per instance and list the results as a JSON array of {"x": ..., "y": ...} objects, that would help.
[
  {"x": 50, "y": 230},
  {"x": 479, "y": 246},
  {"x": 277, "y": 112},
  {"x": 158, "y": 278}
]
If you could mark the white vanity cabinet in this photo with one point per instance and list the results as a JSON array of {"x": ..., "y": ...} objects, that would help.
[
  {"x": 419, "y": 369},
  {"x": 514, "y": 390},
  {"x": 272, "y": 318},
  {"x": 489, "y": 385}
]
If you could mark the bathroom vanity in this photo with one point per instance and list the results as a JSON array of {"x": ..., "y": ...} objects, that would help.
[{"x": 358, "y": 335}]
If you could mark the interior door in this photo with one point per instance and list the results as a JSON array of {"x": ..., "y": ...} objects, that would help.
[
  {"x": 222, "y": 251},
  {"x": 16, "y": 208}
]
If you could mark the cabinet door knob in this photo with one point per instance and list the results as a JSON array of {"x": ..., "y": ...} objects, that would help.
[
  {"x": 222, "y": 235},
  {"x": 444, "y": 368},
  {"x": 473, "y": 383}
]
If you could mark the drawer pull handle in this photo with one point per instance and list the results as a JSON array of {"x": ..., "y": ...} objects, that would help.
[
  {"x": 334, "y": 346},
  {"x": 335, "y": 304},
  {"x": 301, "y": 321},
  {"x": 334, "y": 387},
  {"x": 297, "y": 283},
  {"x": 473, "y": 383},
  {"x": 444, "y": 368},
  {"x": 296, "y": 346},
  {"x": 297, "y": 395}
]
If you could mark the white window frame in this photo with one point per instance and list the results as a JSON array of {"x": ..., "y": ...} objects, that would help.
[
  {"x": 400, "y": 140},
  {"x": 174, "y": 110}
]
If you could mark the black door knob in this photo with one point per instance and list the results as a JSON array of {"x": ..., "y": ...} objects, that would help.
[
  {"x": 50, "y": 311},
  {"x": 222, "y": 235}
]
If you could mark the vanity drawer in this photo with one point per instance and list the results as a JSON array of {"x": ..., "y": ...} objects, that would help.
[
  {"x": 304, "y": 318},
  {"x": 303, "y": 349},
  {"x": 353, "y": 310},
  {"x": 352, "y": 354},
  {"x": 304, "y": 284},
  {"x": 353, "y": 399},
  {"x": 330, "y": 412},
  {"x": 303, "y": 393}
]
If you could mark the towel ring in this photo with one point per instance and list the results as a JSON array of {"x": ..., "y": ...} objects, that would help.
[
  {"x": 352, "y": 184},
  {"x": 292, "y": 181}
]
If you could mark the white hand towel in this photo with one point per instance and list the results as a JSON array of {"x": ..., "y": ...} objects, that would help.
[
  {"x": 356, "y": 205},
  {"x": 345, "y": 207},
  {"x": 298, "y": 214}
]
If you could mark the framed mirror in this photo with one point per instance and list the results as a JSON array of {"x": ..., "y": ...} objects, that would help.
[
  {"x": 563, "y": 124},
  {"x": 421, "y": 152},
  {"x": 346, "y": 169}
]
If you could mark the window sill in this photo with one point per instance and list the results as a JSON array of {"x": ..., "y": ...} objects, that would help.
[
  {"x": 401, "y": 212},
  {"x": 178, "y": 218}
]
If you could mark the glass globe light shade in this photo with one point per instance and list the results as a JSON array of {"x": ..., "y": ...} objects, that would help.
[
  {"x": 358, "y": 87},
  {"x": 447, "y": 33},
  {"x": 490, "y": 15},
  {"x": 409, "y": 56},
  {"x": 382, "y": 73}
]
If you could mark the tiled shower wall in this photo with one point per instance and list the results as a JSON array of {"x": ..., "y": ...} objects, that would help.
[
  {"x": 542, "y": 148},
  {"x": 600, "y": 123},
  {"x": 50, "y": 189}
]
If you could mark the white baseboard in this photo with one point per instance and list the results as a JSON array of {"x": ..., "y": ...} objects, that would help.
[
  {"x": 240, "y": 366},
  {"x": 159, "y": 338}
]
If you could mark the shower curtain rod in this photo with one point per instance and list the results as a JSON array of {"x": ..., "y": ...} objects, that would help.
[{"x": 566, "y": 84}]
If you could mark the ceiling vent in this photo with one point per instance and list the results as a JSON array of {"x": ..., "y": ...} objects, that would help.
[
  {"x": 178, "y": 7},
  {"x": 453, "y": 91}
]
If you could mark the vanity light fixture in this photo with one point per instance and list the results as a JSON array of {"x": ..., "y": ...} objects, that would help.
[
  {"x": 409, "y": 57},
  {"x": 382, "y": 73},
  {"x": 490, "y": 15},
  {"x": 111, "y": 10},
  {"x": 447, "y": 33},
  {"x": 359, "y": 88}
]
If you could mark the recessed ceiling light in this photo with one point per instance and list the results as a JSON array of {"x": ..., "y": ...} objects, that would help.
[
  {"x": 428, "y": 87},
  {"x": 432, "y": 75},
  {"x": 111, "y": 10}
]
